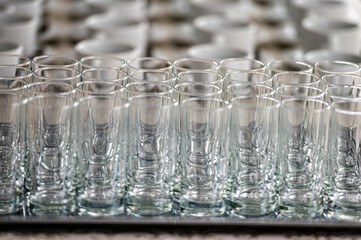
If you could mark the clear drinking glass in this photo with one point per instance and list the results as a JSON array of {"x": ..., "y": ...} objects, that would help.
[
  {"x": 105, "y": 74},
  {"x": 197, "y": 76},
  {"x": 344, "y": 171},
  {"x": 303, "y": 126},
  {"x": 253, "y": 149},
  {"x": 184, "y": 91},
  {"x": 15, "y": 60},
  {"x": 332, "y": 80},
  {"x": 290, "y": 91},
  {"x": 150, "y": 168},
  {"x": 90, "y": 62},
  {"x": 336, "y": 67},
  {"x": 250, "y": 78},
  {"x": 51, "y": 167},
  {"x": 296, "y": 79},
  {"x": 57, "y": 74},
  {"x": 149, "y": 63},
  {"x": 240, "y": 65},
  {"x": 204, "y": 132},
  {"x": 12, "y": 150},
  {"x": 103, "y": 143},
  {"x": 149, "y": 75},
  {"x": 342, "y": 93},
  {"x": 279, "y": 66},
  {"x": 188, "y": 64},
  {"x": 149, "y": 88},
  {"x": 45, "y": 61},
  {"x": 242, "y": 90}
]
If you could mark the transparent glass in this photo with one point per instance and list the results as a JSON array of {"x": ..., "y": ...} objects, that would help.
[
  {"x": 253, "y": 151},
  {"x": 279, "y": 66},
  {"x": 150, "y": 168},
  {"x": 149, "y": 88},
  {"x": 103, "y": 141},
  {"x": 50, "y": 88},
  {"x": 89, "y": 88},
  {"x": 184, "y": 91},
  {"x": 344, "y": 171},
  {"x": 105, "y": 74},
  {"x": 12, "y": 148},
  {"x": 342, "y": 93},
  {"x": 303, "y": 126},
  {"x": 333, "y": 80},
  {"x": 51, "y": 168},
  {"x": 249, "y": 78},
  {"x": 45, "y": 61},
  {"x": 204, "y": 132},
  {"x": 16, "y": 73},
  {"x": 336, "y": 67}
]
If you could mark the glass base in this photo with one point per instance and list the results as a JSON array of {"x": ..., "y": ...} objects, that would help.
[
  {"x": 251, "y": 209},
  {"x": 148, "y": 207},
  {"x": 10, "y": 205},
  {"x": 344, "y": 213},
  {"x": 202, "y": 209},
  {"x": 90, "y": 207},
  {"x": 295, "y": 211},
  {"x": 51, "y": 204}
]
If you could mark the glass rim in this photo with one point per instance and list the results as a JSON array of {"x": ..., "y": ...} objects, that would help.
[
  {"x": 27, "y": 60},
  {"x": 297, "y": 62},
  {"x": 171, "y": 79},
  {"x": 197, "y": 71},
  {"x": 242, "y": 59},
  {"x": 337, "y": 62},
  {"x": 140, "y": 59},
  {"x": 78, "y": 75},
  {"x": 272, "y": 90},
  {"x": 277, "y": 103},
  {"x": 339, "y": 75},
  {"x": 325, "y": 105},
  {"x": 81, "y": 61},
  {"x": 227, "y": 104},
  {"x": 281, "y": 87},
  {"x": 23, "y": 87},
  {"x": 140, "y": 83},
  {"x": 124, "y": 74},
  {"x": 270, "y": 78},
  {"x": 328, "y": 89},
  {"x": 204, "y": 60},
  {"x": 132, "y": 101},
  {"x": 213, "y": 86},
  {"x": 40, "y": 57},
  {"x": 346, "y": 112},
  {"x": 62, "y": 84},
  {"x": 120, "y": 90},
  {"x": 276, "y": 76},
  {"x": 123, "y": 104},
  {"x": 29, "y": 73},
  {"x": 68, "y": 106}
]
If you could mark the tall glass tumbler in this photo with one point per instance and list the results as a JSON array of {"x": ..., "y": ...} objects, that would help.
[
  {"x": 344, "y": 160},
  {"x": 152, "y": 125},
  {"x": 240, "y": 65},
  {"x": 279, "y": 66},
  {"x": 204, "y": 162},
  {"x": 303, "y": 132},
  {"x": 11, "y": 152},
  {"x": 253, "y": 148},
  {"x": 44, "y": 61},
  {"x": 336, "y": 67},
  {"x": 51, "y": 166},
  {"x": 102, "y": 140}
]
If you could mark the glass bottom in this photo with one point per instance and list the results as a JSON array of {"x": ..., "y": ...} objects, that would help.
[
  {"x": 51, "y": 204},
  {"x": 202, "y": 209},
  {"x": 11, "y": 205},
  {"x": 251, "y": 209},
  {"x": 96, "y": 208},
  {"x": 296, "y": 211},
  {"x": 345, "y": 210},
  {"x": 138, "y": 206}
]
